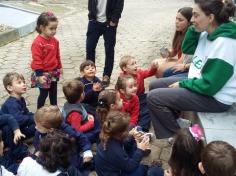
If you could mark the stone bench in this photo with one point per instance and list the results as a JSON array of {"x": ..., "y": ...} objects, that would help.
[{"x": 219, "y": 126}]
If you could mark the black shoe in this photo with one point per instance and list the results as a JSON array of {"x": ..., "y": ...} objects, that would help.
[{"x": 105, "y": 81}]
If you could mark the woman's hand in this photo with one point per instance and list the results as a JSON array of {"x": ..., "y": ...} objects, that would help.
[
  {"x": 174, "y": 85},
  {"x": 178, "y": 67}
]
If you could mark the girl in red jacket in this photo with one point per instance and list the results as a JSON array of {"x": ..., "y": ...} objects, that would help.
[{"x": 46, "y": 62}]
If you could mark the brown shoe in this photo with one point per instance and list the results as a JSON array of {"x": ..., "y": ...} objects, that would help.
[{"x": 105, "y": 81}]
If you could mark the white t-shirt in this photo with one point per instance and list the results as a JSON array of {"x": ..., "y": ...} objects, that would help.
[
  {"x": 30, "y": 167},
  {"x": 101, "y": 11},
  {"x": 6, "y": 172}
]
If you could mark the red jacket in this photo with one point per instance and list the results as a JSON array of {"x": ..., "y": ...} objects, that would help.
[
  {"x": 131, "y": 106},
  {"x": 140, "y": 76},
  {"x": 45, "y": 54},
  {"x": 75, "y": 118}
]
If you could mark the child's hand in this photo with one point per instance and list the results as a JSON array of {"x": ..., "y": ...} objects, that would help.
[
  {"x": 144, "y": 144},
  {"x": 155, "y": 63},
  {"x": 42, "y": 79},
  {"x": 97, "y": 87},
  {"x": 87, "y": 159},
  {"x": 90, "y": 117},
  {"x": 178, "y": 67},
  {"x": 18, "y": 135}
]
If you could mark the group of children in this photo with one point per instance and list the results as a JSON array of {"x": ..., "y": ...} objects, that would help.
[{"x": 117, "y": 120}]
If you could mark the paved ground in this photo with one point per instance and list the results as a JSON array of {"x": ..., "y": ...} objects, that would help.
[{"x": 145, "y": 27}]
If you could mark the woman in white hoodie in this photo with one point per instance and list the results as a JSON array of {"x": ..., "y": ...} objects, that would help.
[{"x": 211, "y": 82}]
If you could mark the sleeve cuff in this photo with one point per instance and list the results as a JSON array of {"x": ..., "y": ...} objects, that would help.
[
  {"x": 88, "y": 153},
  {"x": 39, "y": 72}
]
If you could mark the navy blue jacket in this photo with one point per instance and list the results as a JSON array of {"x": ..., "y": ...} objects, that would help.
[
  {"x": 18, "y": 109},
  {"x": 91, "y": 97},
  {"x": 114, "y": 160},
  {"x": 82, "y": 142},
  {"x": 113, "y": 10},
  {"x": 9, "y": 120}
]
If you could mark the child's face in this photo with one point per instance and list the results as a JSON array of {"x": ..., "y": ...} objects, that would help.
[
  {"x": 131, "y": 87},
  {"x": 118, "y": 104},
  {"x": 89, "y": 71},
  {"x": 40, "y": 128},
  {"x": 131, "y": 67},
  {"x": 49, "y": 30},
  {"x": 18, "y": 86},
  {"x": 1, "y": 148}
]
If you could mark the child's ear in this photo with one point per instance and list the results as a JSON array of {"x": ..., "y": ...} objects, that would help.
[
  {"x": 122, "y": 91},
  {"x": 201, "y": 168},
  {"x": 9, "y": 88},
  {"x": 124, "y": 69},
  {"x": 82, "y": 73}
]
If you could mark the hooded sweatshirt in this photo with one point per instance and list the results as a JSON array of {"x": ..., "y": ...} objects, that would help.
[{"x": 212, "y": 71}]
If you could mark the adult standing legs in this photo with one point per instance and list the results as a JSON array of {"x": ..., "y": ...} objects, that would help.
[
  {"x": 93, "y": 34},
  {"x": 110, "y": 41}
]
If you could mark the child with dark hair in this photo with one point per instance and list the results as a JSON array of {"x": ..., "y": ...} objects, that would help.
[
  {"x": 185, "y": 155},
  {"x": 53, "y": 158},
  {"x": 47, "y": 119},
  {"x": 218, "y": 158},
  {"x": 74, "y": 112},
  {"x": 111, "y": 158},
  {"x": 126, "y": 85},
  {"x": 92, "y": 84},
  {"x": 46, "y": 61},
  {"x": 108, "y": 99},
  {"x": 15, "y": 104}
]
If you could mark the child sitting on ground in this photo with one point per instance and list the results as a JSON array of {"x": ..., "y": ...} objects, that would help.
[
  {"x": 53, "y": 159},
  {"x": 15, "y": 104},
  {"x": 109, "y": 100},
  {"x": 74, "y": 112},
  {"x": 129, "y": 66},
  {"x": 127, "y": 88},
  {"x": 218, "y": 158},
  {"x": 185, "y": 156},
  {"x": 47, "y": 119},
  {"x": 111, "y": 158},
  {"x": 92, "y": 84}
]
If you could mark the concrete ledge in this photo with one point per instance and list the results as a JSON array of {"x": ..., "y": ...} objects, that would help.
[
  {"x": 9, "y": 36},
  {"x": 22, "y": 29},
  {"x": 219, "y": 126}
]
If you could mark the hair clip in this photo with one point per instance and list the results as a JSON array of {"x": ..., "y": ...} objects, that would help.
[
  {"x": 50, "y": 14},
  {"x": 196, "y": 132},
  {"x": 101, "y": 103}
]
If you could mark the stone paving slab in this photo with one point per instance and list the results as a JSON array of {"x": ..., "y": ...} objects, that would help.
[{"x": 145, "y": 27}]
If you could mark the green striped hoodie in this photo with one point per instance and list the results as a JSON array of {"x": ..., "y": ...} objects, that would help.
[{"x": 212, "y": 71}]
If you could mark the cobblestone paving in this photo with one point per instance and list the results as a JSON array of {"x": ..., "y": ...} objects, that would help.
[{"x": 145, "y": 26}]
